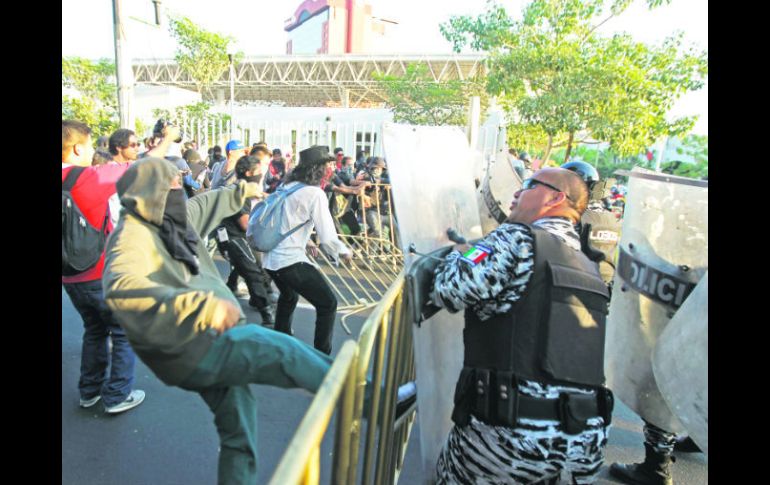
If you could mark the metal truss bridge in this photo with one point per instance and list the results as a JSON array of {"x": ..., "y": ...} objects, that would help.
[{"x": 312, "y": 80}]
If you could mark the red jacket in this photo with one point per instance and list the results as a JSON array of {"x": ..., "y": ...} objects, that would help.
[{"x": 92, "y": 192}]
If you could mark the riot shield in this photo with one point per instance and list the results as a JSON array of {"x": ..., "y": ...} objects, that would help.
[
  {"x": 680, "y": 364},
  {"x": 496, "y": 191},
  {"x": 431, "y": 173},
  {"x": 663, "y": 254}
]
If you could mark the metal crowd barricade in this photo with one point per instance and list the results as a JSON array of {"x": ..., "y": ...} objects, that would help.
[
  {"x": 378, "y": 261},
  {"x": 385, "y": 345}
]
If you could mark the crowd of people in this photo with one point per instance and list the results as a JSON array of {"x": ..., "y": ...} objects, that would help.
[{"x": 156, "y": 293}]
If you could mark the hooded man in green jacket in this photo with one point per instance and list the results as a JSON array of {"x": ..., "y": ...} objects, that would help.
[{"x": 183, "y": 321}]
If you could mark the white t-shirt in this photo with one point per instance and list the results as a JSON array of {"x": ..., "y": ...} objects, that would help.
[{"x": 306, "y": 203}]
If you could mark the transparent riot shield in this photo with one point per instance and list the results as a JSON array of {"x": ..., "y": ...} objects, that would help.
[
  {"x": 495, "y": 194},
  {"x": 662, "y": 255},
  {"x": 680, "y": 364},
  {"x": 431, "y": 173}
]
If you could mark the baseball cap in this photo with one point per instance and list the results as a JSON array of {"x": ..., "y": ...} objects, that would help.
[{"x": 234, "y": 145}]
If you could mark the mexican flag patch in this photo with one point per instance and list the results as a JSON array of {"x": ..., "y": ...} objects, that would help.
[{"x": 476, "y": 254}]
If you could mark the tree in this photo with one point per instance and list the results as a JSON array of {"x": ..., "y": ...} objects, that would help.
[
  {"x": 97, "y": 103},
  {"x": 201, "y": 54},
  {"x": 416, "y": 98},
  {"x": 697, "y": 147},
  {"x": 552, "y": 70}
]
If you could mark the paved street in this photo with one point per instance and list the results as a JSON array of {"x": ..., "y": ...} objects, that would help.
[{"x": 171, "y": 439}]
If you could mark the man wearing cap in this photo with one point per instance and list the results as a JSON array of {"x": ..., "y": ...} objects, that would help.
[
  {"x": 224, "y": 173},
  {"x": 287, "y": 263},
  {"x": 530, "y": 405}
]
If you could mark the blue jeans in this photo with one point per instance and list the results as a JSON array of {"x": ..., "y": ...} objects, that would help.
[
  {"x": 100, "y": 325},
  {"x": 240, "y": 356}
]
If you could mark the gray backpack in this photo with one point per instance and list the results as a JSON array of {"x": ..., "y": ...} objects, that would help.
[{"x": 264, "y": 229}]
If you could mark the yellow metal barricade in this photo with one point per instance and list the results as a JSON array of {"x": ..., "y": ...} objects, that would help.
[
  {"x": 385, "y": 345},
  {"x": 378, "y": 259}
]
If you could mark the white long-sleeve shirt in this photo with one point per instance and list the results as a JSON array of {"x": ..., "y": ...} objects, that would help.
[{"x": 311, "y": 203}]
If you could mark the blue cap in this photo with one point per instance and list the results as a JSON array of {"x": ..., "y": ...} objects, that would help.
[{"x": 234, "y": 145}]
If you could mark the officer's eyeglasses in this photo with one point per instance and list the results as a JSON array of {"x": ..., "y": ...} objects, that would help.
[{"x": 531, "y": 183}]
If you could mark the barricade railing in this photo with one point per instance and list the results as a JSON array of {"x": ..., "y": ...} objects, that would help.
[
  {"x": 385, "y": 345},
  {"x": 378, "y": 259}
]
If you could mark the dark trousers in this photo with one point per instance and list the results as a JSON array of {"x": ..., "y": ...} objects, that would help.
[
  {"x": 247, "y": 264},
  {"x": 304, "y": 279},
  {"x": 100, "y": 326}
]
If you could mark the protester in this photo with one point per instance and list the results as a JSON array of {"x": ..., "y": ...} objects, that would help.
[
  {"x": 288, "y": 265},
  {"x": 246, "y": 262},
  {"x": 223, "y": 173},
  {"x": 91, "y": 192},
  {"x": 183, "y": 321},
  {"x": 198, "y": 170},
  {"x": 101, "y": 157}
]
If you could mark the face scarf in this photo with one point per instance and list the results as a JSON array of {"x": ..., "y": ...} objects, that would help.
[
  {"x": 327, "y": 177},
  {"x": 277, "y": 169},
  {"x": 254, "y": 178},
  {"x": 180, "y": 241}
]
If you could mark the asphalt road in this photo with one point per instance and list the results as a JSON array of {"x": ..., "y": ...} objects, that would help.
[{"x": 171, "y": 439}]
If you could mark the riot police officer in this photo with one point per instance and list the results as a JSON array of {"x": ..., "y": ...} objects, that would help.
[
  {"x": 599, "y": 229},
  {"x": 535, "y": 308}
]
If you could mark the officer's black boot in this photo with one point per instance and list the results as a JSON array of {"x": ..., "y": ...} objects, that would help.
[{"x": 655, "y": 470}]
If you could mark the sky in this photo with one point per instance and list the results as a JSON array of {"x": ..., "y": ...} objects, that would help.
[{"x": 257, "y": 26}]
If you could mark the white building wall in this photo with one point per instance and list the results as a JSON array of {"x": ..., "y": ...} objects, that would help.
[
  {"x": 295, "y": 128},
  {"x": 147, "y": 98}
]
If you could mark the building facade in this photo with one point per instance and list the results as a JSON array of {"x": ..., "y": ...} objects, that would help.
[{"x": 336, "y": 27}]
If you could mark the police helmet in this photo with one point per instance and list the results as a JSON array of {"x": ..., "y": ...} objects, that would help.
[{"x": 588, "y": 173}]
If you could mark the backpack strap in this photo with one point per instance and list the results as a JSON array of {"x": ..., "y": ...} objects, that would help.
[
  {"x": 72, "y": 178},
  {"x": 288, "y": 192},
  {"x": 69, "y": 182}
]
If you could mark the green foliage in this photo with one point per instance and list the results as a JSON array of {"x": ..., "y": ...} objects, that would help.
[
  {"x": 416, "y": 98},
  {"x": 607, "y": 162},
  {"x": 201, "y": 54},
  {"x": 97, "y": 105},
  {"x": 528, "y": 138},
  {"x": 552, "y": 70},
  {"x": 695, "y": 146}
]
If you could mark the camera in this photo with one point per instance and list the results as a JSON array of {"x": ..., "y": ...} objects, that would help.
[{"x": 158, "y": 130}]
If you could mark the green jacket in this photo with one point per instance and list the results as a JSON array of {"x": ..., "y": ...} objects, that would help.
[{"x": 164, "y": 308}]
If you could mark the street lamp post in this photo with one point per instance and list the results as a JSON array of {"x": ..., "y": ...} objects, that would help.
[
  {"x": 124, "y": 74},
  {"x": 232, "y": 86}
]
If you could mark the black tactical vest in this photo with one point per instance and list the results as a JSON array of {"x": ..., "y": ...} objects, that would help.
[{"x": 555, "y": 332}]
